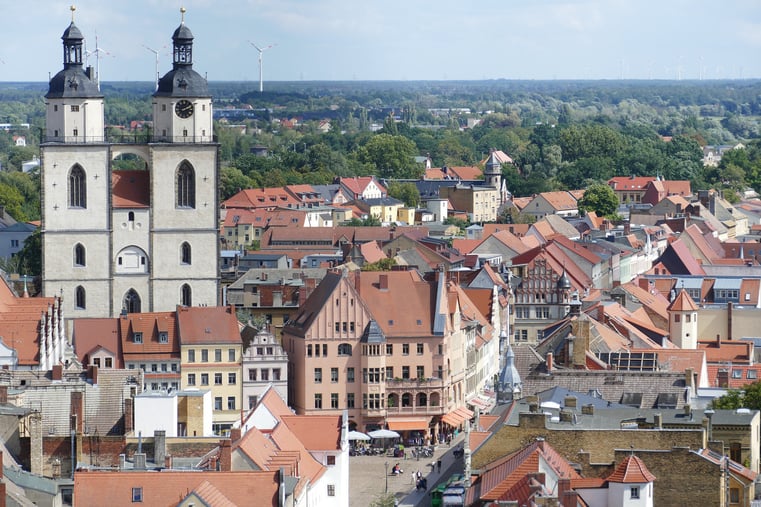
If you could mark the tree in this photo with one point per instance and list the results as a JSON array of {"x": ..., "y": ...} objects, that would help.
[
  {"x": 391, "y": 156},
  {"x": 746, "y": 397},
  {"x": 12, "y": 200},
  {"x": 384, "y": 500},
  {"x": 599, "y": 198},
  {"x": 381, "y": 265},
  {"x": 406, "y": 192},
  {"x": 31, "y": 254}
]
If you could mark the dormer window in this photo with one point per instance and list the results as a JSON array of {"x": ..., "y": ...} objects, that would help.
[
  {"x": 163, "y": 337},
  {"x": 137, "y": 337}
]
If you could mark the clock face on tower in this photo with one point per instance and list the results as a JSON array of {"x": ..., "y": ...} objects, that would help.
[{"x": 184, "y": 109}]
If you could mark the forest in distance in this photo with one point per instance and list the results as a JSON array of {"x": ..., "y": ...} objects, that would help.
[{"x": 560, "y": 134}]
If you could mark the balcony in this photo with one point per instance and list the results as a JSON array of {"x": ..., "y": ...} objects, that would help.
[
  {"x": 412, "y": 411},
  {"x": 414, "y": 384}
]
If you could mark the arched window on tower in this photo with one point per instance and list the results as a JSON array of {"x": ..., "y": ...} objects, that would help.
[
  {"x": 186, "y": 186},
  {"x": 77, "y": 188},
  {"x": 81, "y": 299},
  {"x": 79, "y": 255},
  {"x": 186, "y": 295},
  {"x": 185, "y": 253},
  {"x": 131, "y": 301}
]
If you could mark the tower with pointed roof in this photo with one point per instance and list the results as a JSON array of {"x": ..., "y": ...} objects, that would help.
[
  {"x": 118, "y": 237},
  {"x": 493, "y": 171},
  {"x": 683, "y": 321},
  {"x": 509, "y": 383}
]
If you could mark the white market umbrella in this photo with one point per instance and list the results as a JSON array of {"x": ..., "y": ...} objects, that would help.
[
  {"x": 383, "y": 434},
  {"x": 358, "y": 435}
]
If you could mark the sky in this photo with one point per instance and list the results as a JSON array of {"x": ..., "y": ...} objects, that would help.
[{"x": 395, "y": 39}]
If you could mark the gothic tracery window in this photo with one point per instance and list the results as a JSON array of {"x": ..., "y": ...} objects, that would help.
[
  {"x": 186, "y": 186},
  {"x": 77, "y": 188}
]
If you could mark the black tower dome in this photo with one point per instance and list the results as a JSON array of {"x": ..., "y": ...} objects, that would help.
[
  {"x": 73, "y": 81},
  {"x": 564, "y": 282},
  {"x": 182, "y": 80}
]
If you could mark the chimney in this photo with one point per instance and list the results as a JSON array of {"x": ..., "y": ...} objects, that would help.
[
  {"x": 570, "y": 401},
  {"x": 688, "y": 411},
  {"x": 57, "y": 372},
  {"x": 548, "y": 362},
  {"x": 225, "y": 455},
  {"x": 730, "y": 308},
  {"x": 168, "y": 462},
  {"x": 533, "y": 403},
  {"x": 138, "y": 461},
  {"x": 234, "y": 434},
  {"x": 588, "y": 409},
  {"x": 658, "y": 421},
  {"x": 383, "y": 282},
  {"x": 77, "y": 411},
  {"x": 159, "y": 446},
  {"x": 3, "y": 396},
  {"x": 122, "y": 461},
  {"x": 627, "y": 227},
  {"x": 689, "y": 379},
  {"x": 128, "y": 416},
  {"x": 718, "y": 340}
]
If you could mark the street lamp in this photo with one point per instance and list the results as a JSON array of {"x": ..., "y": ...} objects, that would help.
[{"x": 386, "y": 465}]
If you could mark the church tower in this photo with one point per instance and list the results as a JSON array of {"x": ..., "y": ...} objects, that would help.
[
  {"x": 129, "y": 225},
  {"x": 493, "y": 171}
]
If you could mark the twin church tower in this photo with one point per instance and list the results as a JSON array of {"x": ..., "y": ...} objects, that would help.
[{"x": 129, "y": 223}]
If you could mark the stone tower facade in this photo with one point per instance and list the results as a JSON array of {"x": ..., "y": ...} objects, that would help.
[{"x": 129, "y": 224}]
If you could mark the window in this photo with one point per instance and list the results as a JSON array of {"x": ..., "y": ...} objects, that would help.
[
  {"x": 349, "y": 374},
  {"x": 545, "y": 312},
  {"x": 252, "y": 374},
  {"x": 131, "y": 301},
  {"x": 154, "y": 367},
  {"x": 405, "y": 372},
  {"x": 252, "y": 401},
  {"x": 325, "y": 350},
  {"x": 333, "y": 400},
  {"x": 79, "y": 255},
  {"x": 163, "y": 367},
  {"x": 737, "y": 373},
  {"x": 331, "y": 460},
  {"x": 634, "y": 492},
  {"x": 318, "y": 400},
  {"x": 204, "y": 355},
  {"x": 231, "y": 379},
  {"x": 204, "y": 379},
  {"x": 231, "y": 355},
  {"x": 81, "y": 300},
  {"x": 218, "y": 403},
  {"x": 218, "y": 355},
  {"x": 275, "y": 373},
  {"x": 137, "y": 495},
  {"x": 265, "y": 374},
  {"x": 350, "y": 400},
  {"x": 185, "y": 253},
  {"x": 191, "y": 379},
  {"x": 109, "y": 362},
  {"x": 421, "y": 372},
  {"x": 677, "y": 318},
  {"x": 231, "y": 403},
  {"x": 163, "y": 337},
  {"x": 734, "y": 495},
  {"x": 752, "y": 374},
  {"x": 344, "y": 349},
  {"x": 420, "y": 349},
  {"x": 405, "y": 349},
  {"x": 441, "y": 349},
  {"x": 389, "y": 372},
  {"x": 77, "y": 188},
  {"x": 174, "y": 367},
  {"x": 96, "y": 362},
  {"x": 191, "y": 356},
  {"x": 137, "y": 337},
  {"x": 270, "y": 350},
  {"x": 332, "y": 487},
  {"x": 217, "y": 379},
  {"x": 389, "y": 349},
  {"x": 318, "y": 375},
  {"x": 74, "y": 109},
  {"x": 371, "y": 375},
  {"x": 186, "y": 187},
  {"x": 186, "y": 295},
  {"x": 309, "y": 351},
  {"x": 334, "y": 375}
]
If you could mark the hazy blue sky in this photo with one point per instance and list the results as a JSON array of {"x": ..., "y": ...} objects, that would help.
[{"x": 397, "y": 39}]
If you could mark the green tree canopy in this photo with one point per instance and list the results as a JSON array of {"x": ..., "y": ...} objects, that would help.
[
  {"x": 391, "y": 156},
  {"x": 746, "y": 397},
  {"x": 599, "y": 198},
  {"x": 406, "y": 192}
]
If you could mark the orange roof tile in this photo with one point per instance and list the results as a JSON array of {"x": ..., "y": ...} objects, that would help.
[
  {"x": 682, "y": 303},
  {"x": 131, "y": 189},
  {"x": 316, "y": 432},
  {"x": 631, "y": 471},
  {"x": 212, "y": 324}
]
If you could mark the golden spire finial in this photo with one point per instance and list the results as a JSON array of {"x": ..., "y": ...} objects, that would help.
[
  {"x": 72, "y": 9},
  {"x": 183, "y": 11}
]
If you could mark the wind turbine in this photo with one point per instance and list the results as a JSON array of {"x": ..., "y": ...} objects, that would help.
[
  {"x": 155, "y": 52},
  {"x": 261, "y": 51},
  {"x": 97, "y": 51}
]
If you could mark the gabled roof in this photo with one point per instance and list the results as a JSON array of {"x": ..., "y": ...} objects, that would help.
[
  {"x": 150, "y": 325},
  {"x": 631, "y": 471},
  {"x": 735, "y": 468},
  {"x": 560, "y": 200},
  {"x": 550, "y": 225},
  {"x": 89, "y": 334},
  {"x": 208, "y": 325},
  {"x": 251, "y": 198},
  {"x": 682, "y": 303},
  {"x": 622, "y": 183},
  {"x": 316, "y": 432},
  {"x": 20, "y": 322}
]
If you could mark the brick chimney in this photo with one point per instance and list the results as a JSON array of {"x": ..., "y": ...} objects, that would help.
[
  {"x": 235, "y": 434},
  {"x": 159, "y": 446},
  {"x": 77, "y": 411},
  {"x": 3, "y": 395},
  {"x": 548, "y": 362},
  {"x": 128, "y": 416},
  {"x": 658, "y": 421},
  {"x": 225, "y": 455}
]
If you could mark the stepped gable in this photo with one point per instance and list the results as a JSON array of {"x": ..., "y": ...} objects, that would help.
[{"x": 631, "y": 471}]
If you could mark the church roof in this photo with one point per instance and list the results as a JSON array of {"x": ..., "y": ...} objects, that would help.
[
  {"x": 73, "y": 81},
  {"x": 182, "y": 80}
]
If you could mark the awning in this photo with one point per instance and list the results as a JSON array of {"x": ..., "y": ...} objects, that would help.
[
  {"x": 409, "y": 424},
  {"x": 457, "y": 417},
  {"x": 478, "y": 402}
]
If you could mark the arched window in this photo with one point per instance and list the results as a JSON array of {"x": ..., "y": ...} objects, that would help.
[
  {"x": 422, "y": 400},
  {"x": 77, "y": 188},
  {"x": 185, "y": 253},
  {"x": 81, "y": 298},
  {"x": 186, "y": 295},
  {"x": 131, "y": 216},
  {"x": 344, "y": 349},
  {"x": 79, "y": 255},
  {"x": 132, "y": 301},
  {"x": 186, "y": 186}
]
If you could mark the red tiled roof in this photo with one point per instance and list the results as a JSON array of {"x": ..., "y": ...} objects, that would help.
[
  {"x": 89, "y": 334},
  {"x": 316, "y": 432},
  {"x": 683, "y": 303},
  {"x": 631, "y": 471},
  {"x": 20, "y": 323},
  {"x": 131, "y": 189},
  {"x": 212, "y": 324},
  {"x": 621, "y": 183}
]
